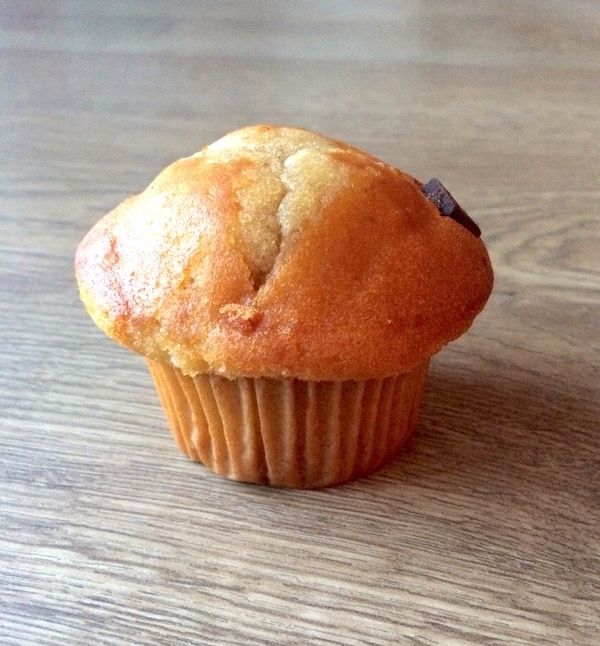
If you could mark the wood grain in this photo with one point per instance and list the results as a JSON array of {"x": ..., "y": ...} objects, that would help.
[{"x": 486, "y": 529}]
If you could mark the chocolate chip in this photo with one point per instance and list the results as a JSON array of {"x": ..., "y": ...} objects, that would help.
[{"x": 435, "y": 192}]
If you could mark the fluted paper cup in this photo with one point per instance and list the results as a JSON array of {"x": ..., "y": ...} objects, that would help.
[{"x": 289, "y": 432}]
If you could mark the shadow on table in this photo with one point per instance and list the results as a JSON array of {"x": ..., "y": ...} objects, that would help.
[{"x": 471, "y": 428}]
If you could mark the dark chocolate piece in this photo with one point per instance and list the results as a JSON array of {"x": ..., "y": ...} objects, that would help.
[{"x": 435, "y": 192}]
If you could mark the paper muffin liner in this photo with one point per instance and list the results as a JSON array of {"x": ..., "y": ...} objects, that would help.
[{"x": 289, "y": 432}]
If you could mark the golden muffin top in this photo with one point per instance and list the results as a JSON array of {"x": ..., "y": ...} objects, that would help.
[{"x": 278, "y": 252}]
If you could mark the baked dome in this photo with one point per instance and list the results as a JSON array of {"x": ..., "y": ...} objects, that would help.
[{"x": 278, "y": 252}]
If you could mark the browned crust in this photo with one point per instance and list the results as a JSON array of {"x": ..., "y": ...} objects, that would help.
[{"x": 373, "y": 285}]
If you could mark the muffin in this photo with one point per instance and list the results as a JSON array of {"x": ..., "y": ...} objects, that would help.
[{"x": 287, "y": 291}]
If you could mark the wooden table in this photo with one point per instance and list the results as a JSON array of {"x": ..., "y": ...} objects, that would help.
[{"x": 486, "y": 529}]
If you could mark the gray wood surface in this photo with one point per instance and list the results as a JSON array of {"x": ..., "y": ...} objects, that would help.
[{"x": 486, "y": 529}]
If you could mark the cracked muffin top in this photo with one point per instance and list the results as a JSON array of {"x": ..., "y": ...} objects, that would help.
[{"x": 277, "y": 252}]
